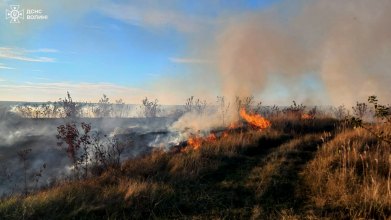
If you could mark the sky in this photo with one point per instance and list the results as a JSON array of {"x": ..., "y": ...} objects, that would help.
[
  {"x": 168, "y": 50},
  {"x": 118, "y": 48}
]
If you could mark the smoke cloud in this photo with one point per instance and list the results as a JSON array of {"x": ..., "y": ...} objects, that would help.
[{"x": 343, "y": 46}]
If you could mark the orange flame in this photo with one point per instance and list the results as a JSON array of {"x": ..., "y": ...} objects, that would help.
[
  {"x": 255, "y": 120},
  {"x": 305, "y": 116},
  {"x": 232, "y": 126},
  {"x": 196, "y": 142}
]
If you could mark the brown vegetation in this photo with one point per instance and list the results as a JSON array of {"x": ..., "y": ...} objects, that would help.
[{"x": 302, "y": 164}]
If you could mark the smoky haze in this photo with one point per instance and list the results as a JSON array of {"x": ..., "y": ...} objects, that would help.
[
  {"x": 344, "y": 45},
  {"x": 18, "y": 134}
]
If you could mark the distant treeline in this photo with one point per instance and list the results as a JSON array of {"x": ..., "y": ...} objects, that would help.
[{"x": 68, "y": 108}]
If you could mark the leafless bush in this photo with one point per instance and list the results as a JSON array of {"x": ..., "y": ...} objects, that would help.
[
  {"x": 189, "y": 104},
  {"x": 25, "y": 110},
  {"x": 245, "y": 103},
  {"x": 175, "y": 113},
  {"x": 107, "y": 153},
  {"x": 339, "y": 112},
  {"x": 115, "y": 147},
  {"x": 149, "y": 109},
  {"x": 265, "y": 111},
  {"x": 312, "y": 112},
  {"x": 268, "y": 111},
  {"x": 195, "y": 105},
  {"x": 71, "y": 109},
  {"x": 295, "y": 110},
  {"x": 74, "y": 141},
  {"x": 200, "y": 106},
  {"x": 3, "y": 111},
  {"x": 258, "y": 109},
  {"x": 23, "y": 156},
  {"x": 51, "y": 110},
  {"x": 45, "y": 110},
  {"x": 120, "y": 108},
  {"x": 223, "y": 108},
  {"x": 360, "y": 110},
  {"x": 38, "y": 176},
  {"x": 5, "y": 176},
  {"x": 275, "y": 111},
  {"x": 103, "y": 109}
]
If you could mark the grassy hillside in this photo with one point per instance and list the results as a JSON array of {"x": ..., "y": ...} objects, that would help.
[{"x": 321, "y": 169}]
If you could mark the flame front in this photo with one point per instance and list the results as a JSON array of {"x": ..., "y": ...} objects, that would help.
[
  {"x": 232, "y": 126},
  {"x": 255, "y": 120},
  {"x": 305, "y": 116},
  {"x": 196, "y": 142}
]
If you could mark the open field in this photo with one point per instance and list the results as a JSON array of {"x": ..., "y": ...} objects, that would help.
[
  {"x": 195, "y": 109},
  {"x": 290, "y": 165}
]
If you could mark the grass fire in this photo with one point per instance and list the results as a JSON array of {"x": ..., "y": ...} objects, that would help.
[{"x": 144, "y": 109}]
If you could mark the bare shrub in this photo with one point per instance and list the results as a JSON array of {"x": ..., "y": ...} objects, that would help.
[
  {"x": 107, "y": 153},
  {"x": 115, "y": 148},
  {"x": 25, "y": 110},
  {"x": 70, "y": 134},
  {"x": 6, "y": 176},
  {"x": 223, "y": 108},
  {"x": 51, "y": 110},
  {"x": 195, "y": 105},
  {"x": 149, "y": 109},
  {"x": 200, "y": 106},
  {"x": 276, "y": 111},
  {"x": 268, "y": 111},
  {"x": 360, "y": 110},
  {"x": 70, "y": 108},
  {"x": 245, "y": 103},
  {"x": 23, "y": 156},
  {"x": 339, "y": 112},
  {"x": 3, "y": 111},
  {"x": 119, "y": 109},
  {"x": 189, "y": 104},
  {"x": 295, "y": 110},
  {"x": 103, "y": 109},
  {"x": 175, "y": 113},
  {"x": 312, "y": 112}
]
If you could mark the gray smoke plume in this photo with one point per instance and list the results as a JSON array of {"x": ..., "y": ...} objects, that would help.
[{"x": 346, "y": 44}]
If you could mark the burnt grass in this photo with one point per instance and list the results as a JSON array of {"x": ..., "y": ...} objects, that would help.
[{"x": 261, "y": 181}]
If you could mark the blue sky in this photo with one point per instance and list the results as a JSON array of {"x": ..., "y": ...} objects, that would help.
[
  {"x": 168, "y": 50},
  {"x": 103, "y": 42}
]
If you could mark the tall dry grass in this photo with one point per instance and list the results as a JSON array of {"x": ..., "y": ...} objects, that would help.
[
  {"x": 153, "y": 185},
  {"x": 350, "y": 176}
]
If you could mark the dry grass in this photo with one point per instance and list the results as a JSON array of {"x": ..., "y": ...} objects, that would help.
[
  {"x": 159, "y": 184},
  {"x": 307, "y": 173},
  {"x": 350, "y": 176}
]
